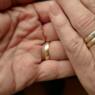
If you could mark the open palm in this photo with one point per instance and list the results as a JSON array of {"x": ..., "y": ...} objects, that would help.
[{"x": 22, "y": 38}]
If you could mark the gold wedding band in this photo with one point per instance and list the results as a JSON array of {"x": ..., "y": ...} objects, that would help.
[
  {"x": 91, "y": 43},
  {"x": 90, "y": 39},
  {"x": 45, "y": 51}
]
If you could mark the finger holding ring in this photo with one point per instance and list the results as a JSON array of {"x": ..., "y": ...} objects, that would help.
[{"x": 45, "y": 51}]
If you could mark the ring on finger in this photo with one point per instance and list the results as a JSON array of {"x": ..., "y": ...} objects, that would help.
[
  {"x": 90, "y": 39},
  {"x": 45, "y": 50}
]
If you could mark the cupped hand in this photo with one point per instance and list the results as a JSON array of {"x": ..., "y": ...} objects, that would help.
[
  {"x": 73, "y": 22},
  {"x": 23, "y": 32}
]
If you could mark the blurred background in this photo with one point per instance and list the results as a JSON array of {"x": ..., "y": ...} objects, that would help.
[{"x": 67, "y": 86}]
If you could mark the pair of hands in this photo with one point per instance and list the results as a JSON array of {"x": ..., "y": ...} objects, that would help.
[{"x": 24, "y": 30}]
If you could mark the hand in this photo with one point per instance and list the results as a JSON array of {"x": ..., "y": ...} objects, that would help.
[
  {"x": 72, "y": 35},
  {"x": 22, "y": 39}
]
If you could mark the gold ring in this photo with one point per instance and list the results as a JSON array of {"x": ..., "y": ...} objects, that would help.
[
  {"x": 91, "y": 43},
  {"x": 45, "y": 51},
  {"x": 90, "y": 39}
]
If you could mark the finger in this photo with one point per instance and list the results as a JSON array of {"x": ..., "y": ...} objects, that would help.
[
  {"x": 54, "y": 46},
  {"x": 58, "y": 55},
  {"x": 83, "y": 20},
  {"x": 51, "y": 69},
  {"x": 49, "y": 32},
  {"x": 42, "y": 9},
  {"x": 77, "y": 52},
  {"x": 90, "y": 4},
  {"x": 30, "y": 53},
  {"x": 60, "y": 52}
]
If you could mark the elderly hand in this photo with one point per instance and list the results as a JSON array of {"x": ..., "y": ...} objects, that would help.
[
  {"x": 73, "y": 32},
  {"x": 23, "y": 32}
]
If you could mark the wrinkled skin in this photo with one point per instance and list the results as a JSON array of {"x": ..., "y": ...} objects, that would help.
[
  {"x": 73, "y": 32},
  {"x": 22, "y": 37},
  {"x": 20, "y": 48}
]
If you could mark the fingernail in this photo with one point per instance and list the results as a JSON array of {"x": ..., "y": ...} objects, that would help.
[{"x": 53, "y": 8}]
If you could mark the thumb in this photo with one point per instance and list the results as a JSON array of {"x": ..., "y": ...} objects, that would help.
[{"x": 80, "y": 57}]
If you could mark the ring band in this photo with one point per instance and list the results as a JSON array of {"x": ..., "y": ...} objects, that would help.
[
  {"x": 91, "y": 43},
  {"x": 90, "y": 39},
  {"x": 46, "y": 55}
]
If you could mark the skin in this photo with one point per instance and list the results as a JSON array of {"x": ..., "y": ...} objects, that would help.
[
  {"x": 21, "y": 51},
  {"x": 22, "y": 37},
  {"x": 72, "y": 32}
]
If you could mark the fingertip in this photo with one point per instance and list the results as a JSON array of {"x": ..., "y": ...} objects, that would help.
[
  {"x": 54, "y": 8},
  {"x": 42, "y": 9}
]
